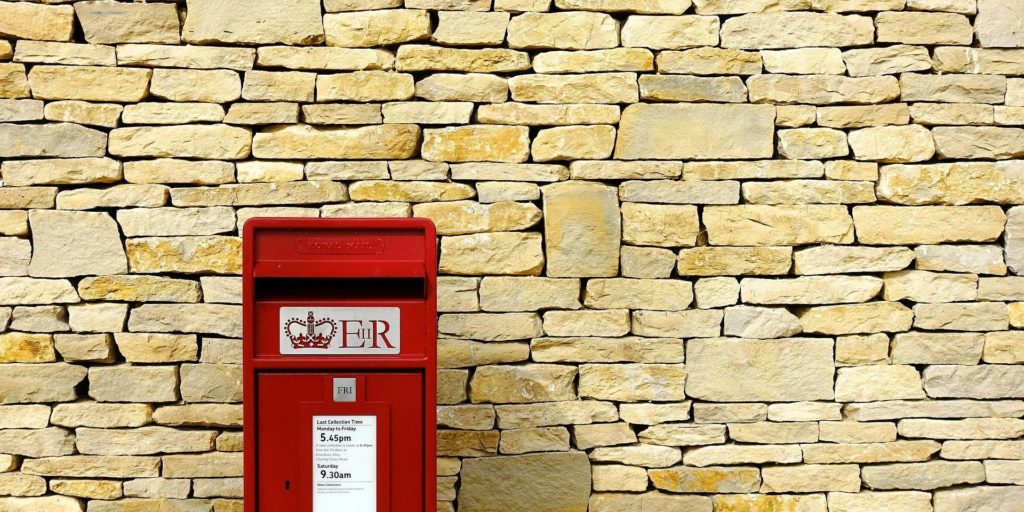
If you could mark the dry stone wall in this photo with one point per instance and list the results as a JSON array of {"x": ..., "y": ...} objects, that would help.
[{"x": 719, "y": 255}]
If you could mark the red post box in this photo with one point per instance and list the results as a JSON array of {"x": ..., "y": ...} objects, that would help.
[{"x": 339, "y": 365}]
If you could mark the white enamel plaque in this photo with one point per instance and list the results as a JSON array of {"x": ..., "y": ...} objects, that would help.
[
  {"x": 316, "y": 330},
  {"x": 344, "y": 463}
]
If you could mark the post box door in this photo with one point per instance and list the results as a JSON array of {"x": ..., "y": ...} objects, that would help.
[{"x": 333, "y": 437}]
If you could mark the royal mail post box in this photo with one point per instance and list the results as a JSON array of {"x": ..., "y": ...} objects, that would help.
[{"x": 339, "y": 365}]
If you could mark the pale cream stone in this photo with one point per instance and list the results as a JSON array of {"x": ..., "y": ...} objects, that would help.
[
  {"x": 755, "y": 322},
  {"x": 342, "y": 113},
  {"x": 544, "y": 439},
  {"x": 45, "y": 52},
  {"x": 836, "y": 260},
  {"x": 952, "y": 88},
  {"x": 994, "y": 498},
  {"x": 97, "y": 317},
  {"x": 804, "y": 61},
  {"x": 934, "y": 409},
  {"x": 692, "y": 88},
  {"x": 923, "y": 286},
  {"x": 881, "y": 382},
  {"x": 142, "y": 441},
  {"x": 211, "y": 382},
  {"x": 695, "y": 131},
  {"x": 811, "y": 478},
  {"x": 924, "y": 28},
  {"x": 659, "y": 225},
  {"x": 106, "y": 22},
  {"x": 13, "y": 83},
  {"x": 555, "y": 413},
  {"x": 89, "y": 489},
  {"x": 199, "y": 57},
  {"x": 670, "y": 32},
  {"x": 479, "y": 87},
  {"x": 970, "y": 428},
  {"x": 977, "y": 259},
  {"x": 410, "y": 191},
  {"x": 89, "y": 83},
  {"x": 260, "y": 171},
  {"x": 731, "y": 261},
  {"x": 364, "y": 86},
  {"x": 716, "y": 292},
  {"x": 978, "y": 142},
  {"x": 805, "y": 411},
  {"x": 685, "y": 191},
  {"x": 17, "y": 253},
  {"x": 857, "y": 5},
  {"x": 461, "y": 217},
  {"x": 923, "y": 476},
  {"x": 984, "y": 382},
  {"x": 34, "y": 487},
  {"x": 646, "y": 262},
  {"x": 887, "y": 60},
  {"x": 412, "y": 57},
  {"x": 609, "y": 502},
  {"x": 937, "y": 348},
  {"x": 95, "y": 348},
  {"x": 809, "y": 191},
  {"x": 220, "y": 319},
  {"x": 683, "y": 435},
  {"x": 613, "y": 322},
  {"x": 365, "y": 29},
  {"x": 176, "y": 221},
  {"x": 855, "y": 432},
  {"x": 62, "y": 140},
  {"x": 733, "y": 454},
  {"x": 653, "y": 414},
  {"x": 498, "y": 191},
  {"x": 777, "y": 225},
  {"x": 528, "y": 293},
  {"x": 729, "y": 413},
  {"x": 822, "y": 89},
  {"x": 278, "y": 86},
  {"x": 772, "y": 370},
  {"x": 492, "y": 253},
  {"x": 616, "y": 170},
  {"x": 582, "y": 223},
  {"x": 157, "y": 348},
  {"x": 897, "y": 451},
  {"x": 209, "y": 465},
  {"x": 21, "y": 110},
  {"x": 645, "y": 7},
  {"x": 428, "y": 112},
  {"x": 997, "y": 24},
  {"x": 477, "y": 143},
  {"x": 484, "y": 171},
  {"x": 763, "y": 169},
  {"x": 295, "y": 22},
  {"x": 683, "y": 324},
  {"x": 565, "y": 30},
  {"x": 93, "y": 236},
  {"x": 851, "y": 171},
  {"x": 754, "y": 31},
  {"x": 166, "y": 170},
  {"x": 706, "y": 480},
  {"x": 545, "y": 480},
  {"x": 197, "y": 141},
  {"x": 794, "y": 116},
  {"x": 304, "y": 141},
  {"x": 770, "y": 432},
  {"x": 908, "y": 501},
  {"x": 813, "y": 143},
  {"x": 930, "y": 114},
  {"x": 318, "y": 58},
  {"x": 1005, "y": 347},
  {"x": 573, "y": 143},
  {"x": 633, "y": 382},
  {"x": 522, "y": 384},
  {"x": 893, "y": 144},
  {"x": 956, "y": 184},
  {"x": 463, "y": 353},
  {"x": 810, "y": 290},
  {"x": 470, "y": 28},
  {"x": 861, "y": 116},
  {"x": 192, "y": 254},
  {"x": 31, "y": 21},
  {"x": 583, "y": 88},
  {"x": 203, "y": 415},
  {"x": 709, "y": 61},
  {"x": 967, "y": 316},
  {"x": 646, "y": 455},
  {"x": 607, "y": 350},
  {"x": 635, "y": 294},
  {"x": 263, "y": 113},
  {"x": 893, "y": 225},
  {"x": 138, "y": 289},
  {"x": 869, "y": 317},
  {"x": 611, "y": 477},
  {"x": 172, "y": 113},
  {"x": 158, "y": 487},
  {"x": 594, "y": 61}
]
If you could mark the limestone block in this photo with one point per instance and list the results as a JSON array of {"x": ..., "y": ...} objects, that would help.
[
  {"x": 734, "y": 261},
  {"x": 89, "y": 83},
  {"x": 770, "y": 370},
  {"x": 646, "y": 262},
  {"x": 966, "y": 316},
  {"x": 192, "y": 254},
  {"x": 565, "y": 30},
  {"x": 613, "y": 322},
  {"x": 937, "y": 348},
  {"x": 888, "y": 60},
  {"x": 522, "y": 384},
  {"x": 729, "y": 413},
  {"x": 810, "y": 290},
  {"x": 822, "y": 89},
  {"x": 491, "y": 326},
  {"x": 923, "y": 286},
  {"x": 428, "y": 112},
  {"x": 1004, "y": 347},
  {"x": 715, "y": 292},
  {"x": 612, "y": 477},
  {"x": 485, "y": 171},
  {"x": 548, "y": 482},
  {"x": 881, "y": 382},
  {"x": 13, "y": 83},
  {"x": 196, "y": 141},
  {"x": 682, "y": 324},
  {"x": 138, "y": 289},
  {"x": 584, "y": 88},
  {"x": 51, "y": 503},
  {"x": 211, "y": 382},
  {"x": 654, "y": 294},
  {"x": 909, "y": 501},
  {"x": 365, "y": 29},
  {"x": 897, "y": 451},
  {"x": 555, "y": 413},
  {"x": 363, "y": 86},
  {"x": 869, "y": 317},
  {"x": 110, "y": 23},
  {"x": 23, "y": 20},
  {"x": 923, "y": 476},
  {"x": 795, "y": 30},
  {"x": 952, "y": 88},
  {"x": 933, "y": 409},
  {"x": 757, "y": 322},
  {"x": 858, "y": 116},
  {"x": 21, "y": 110},
  {"x": 582, "y": 223},
  {"x": 676, "y": 191},
  {"x": 659, "y": 225},
  {"x": 893, "y": 144},
  {"x": 978, "y": 142},
  {"x": 208, "y": 465},
  {"x": 954, "y": 184},
  {"x": 220, "y": 319},
  {"x": 646, "y": 455},
  {"x": 632, "y": 382},
  {"x": 734, "y": 454},
  {"x": 413, "y": 57},
  {"x": 683, "y": 435},
  {"x": 479, "y": 87},
  {"x": 544, "y": 115},
  {"x": 812, "y": 143},
  {"x": 464, "y": 353},
  {"x": 895, "y": 225},
  {"x": 709, "y": 61},
  {"x": 603, "y": 434},
  {"x": 176, "y": 221},
  {"x": 670, "y": 32},
  {"x": 649, "y": 7},
  {"x": 96, "y": 348},
  {"x": 998, "y": 24},
  {"x": 994, "y": 498},
  {"x": 695, "y": 132},
  {"x": 341, "y": 114},
  {"x": 573, "y": 143},
  {"x": 636, "y": 170},
  {"x": 477, "y": 143},
  {"x": 75, "y": 243},
  {"x": 707, "y": 479},
  {"x": 653, "y": 414},
  {"x": 168, "y": 170},
  {"x": 924, "y": 28},
  {"x": 970, "y": 428},
  {"x": 594, "y": 61},
  {"x": 199, "y": 415},
  {"x": 63, "y": 140},
  {"x": 545, "y": 439},
  {"x": 983, "y": 382},
  {"x": 156, "y": 348},
  {"x": 410, "y": 191},
  {"x": 809, "y": 191},
  {"x": 457, "y": 294},
  {"x": 811, "y": 478},
  {"x": 855, "y": 432},
  {"x": 292, "y": 22},
  {"x": 492, "y": 253},
  {"x": 324, "y": 58},
  {"x": 142, "y": 441},
  {"x": 149, "y": 383},
  {"x": 777, "y": 225},
  {"x": 468, "y": 28},
  {"x": 46, "y": 52},
  {"x": 692, "y": 89},
  {"x": 528, "y": 293},
  {"x": 763, "y": 169},
  {"x": 308, "y": 142}
]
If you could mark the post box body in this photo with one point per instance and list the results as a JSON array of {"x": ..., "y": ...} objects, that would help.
[{"x": 340, "y": 363}]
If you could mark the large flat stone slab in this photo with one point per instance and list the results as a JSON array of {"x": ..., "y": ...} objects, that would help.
[{"x": 696, "y": 131}]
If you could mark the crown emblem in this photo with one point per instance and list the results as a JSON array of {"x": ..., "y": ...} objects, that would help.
[{"x": 310, "y": 333}]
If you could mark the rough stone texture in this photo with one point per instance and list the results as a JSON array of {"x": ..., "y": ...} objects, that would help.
[{"x": 845, "y": 170}]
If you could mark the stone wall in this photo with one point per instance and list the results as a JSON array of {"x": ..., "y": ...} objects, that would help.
[{"x": 734, "y": 255}]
